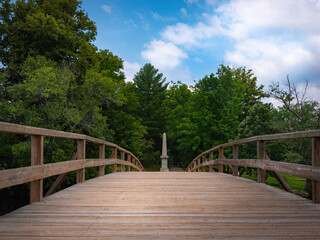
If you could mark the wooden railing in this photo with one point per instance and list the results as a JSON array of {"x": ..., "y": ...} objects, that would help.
[
  {"x": 263, "y": 162},
  {"x": 38, "y": 171}
]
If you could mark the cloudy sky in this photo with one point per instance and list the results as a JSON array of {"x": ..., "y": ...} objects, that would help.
[{"x": 188, "y": 39}]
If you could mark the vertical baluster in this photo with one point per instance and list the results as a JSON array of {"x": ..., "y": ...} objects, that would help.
[
  {"x": 221, "y": 156},
  {"x": 316, "y": 163},
  {"x": 36, "y": 187},
  {"x": 261, "y": 149},
  {"x": 211, "y": 158},
  {"x": 102, "y": 156},
  {"x": 235, "y": 150},
  {"x": 81, "y": 154},
  {"x": 115, "y": 156}
]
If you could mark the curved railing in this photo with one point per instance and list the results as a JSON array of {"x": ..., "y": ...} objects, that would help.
[
  {"x": 38, "y": 171},
  {"x": 263, "y": 162}
]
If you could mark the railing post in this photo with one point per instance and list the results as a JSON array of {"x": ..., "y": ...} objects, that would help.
[
  {"x": 221, "y": 156},
  {"x": 115, "y": 156},
  {"x": 261, "y": 152},
  {"x": 194, "y": 165},
  {"x": 134, "y": 163},
  {"x": 36, "y": 187},
  {"x": 199, "y": 162},
  {"x": 129, "y": 160},
  {"x": 316, "y": 163},
  {"x": 81, "y": 154},
  {"x": 122, "y": 158},
  {"x": 102, "y": 156},
  {"x": 211, "y": 158},
  {"x": 203, "y": 161},
  {"x": 235, "y": 150}
]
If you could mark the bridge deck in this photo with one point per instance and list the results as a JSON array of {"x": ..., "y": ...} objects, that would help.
[{"x": 166, "y": 206}]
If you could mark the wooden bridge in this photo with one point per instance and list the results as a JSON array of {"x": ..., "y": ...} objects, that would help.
[{"x": 133, "y": 204}]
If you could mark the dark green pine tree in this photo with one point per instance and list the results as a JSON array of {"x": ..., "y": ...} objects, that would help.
[{"x": 151, "y": 88}]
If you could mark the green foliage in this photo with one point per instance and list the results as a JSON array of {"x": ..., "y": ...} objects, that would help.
[
  {"x": 56, "y": 29},
  {"x": 151, "y": 89}
]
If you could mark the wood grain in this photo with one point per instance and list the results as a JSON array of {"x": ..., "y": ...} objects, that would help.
[{"x": 165, "y": 205}]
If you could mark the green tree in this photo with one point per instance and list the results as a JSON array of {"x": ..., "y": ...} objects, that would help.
[
  {"x": 57, "y": 29},
  {"x": 151, "y": 88},
  {"x": 296, "y": 114}
]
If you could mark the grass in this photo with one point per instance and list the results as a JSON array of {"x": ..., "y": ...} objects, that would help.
[
  {"x": 296, "y": 183},
  {"x": 153, "y": 168}
]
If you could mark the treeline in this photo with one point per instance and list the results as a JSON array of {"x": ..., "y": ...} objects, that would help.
[{"x": 53, "y": 77}]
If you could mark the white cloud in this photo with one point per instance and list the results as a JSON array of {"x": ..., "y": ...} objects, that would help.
[
  {"x": 191, "y": 1},
  {"x": 106, "y": 8},
  {"x": 184, "y": 34},
  {"x": 130, "y": 69},
  {"x": 183, "y": 11},
  {"x": 252, "y": 15},
  {"x": 270, "y": 61},
  {"x": 158, "y": 17},
  {"x": 163, "y": 55}
]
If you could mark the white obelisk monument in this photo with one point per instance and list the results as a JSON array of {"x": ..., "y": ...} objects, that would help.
[{"x": 164, "y": 157}]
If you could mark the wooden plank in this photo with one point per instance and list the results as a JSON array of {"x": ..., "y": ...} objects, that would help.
[
  {"x": 114, "y": 155},
  {"x": 154, "y": 205},
  {"x": 59, "y": 180},
  {"x": 129, "y": 161},
  {"x": 203, "y": 161},
  {"x": 261, "y": 155},
  {"x": 299, "y": 170},
  {"x": 36, "y": 186},
  {"x": 316, "y": 163},
  {"x": 122, "y": 154},
  {"x": 211, "y": 158},
  {"x": 81, "y": 154},
  {"x": 26, "y": 130},
  {"x": 102, "y": 155},
  {"x": 221, "y": 156},
  {"x": 280, "y": 179},
  {"x": 281, "y": 136},
  {"x": 235, "y": 152}
]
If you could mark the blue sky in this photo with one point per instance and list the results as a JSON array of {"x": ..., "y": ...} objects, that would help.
[{"x": 188, "y": 39}]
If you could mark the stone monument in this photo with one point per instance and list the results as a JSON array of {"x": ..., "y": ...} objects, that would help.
[{"x": 164, "y": 157}]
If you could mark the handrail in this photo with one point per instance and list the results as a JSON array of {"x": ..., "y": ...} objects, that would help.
[
  {"x": 38, "y": 171},
  {"x": 263, "y": 162}
]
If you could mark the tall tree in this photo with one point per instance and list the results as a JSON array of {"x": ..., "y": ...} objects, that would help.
[
  {"x": 151, "y": 88},
  {"x": 57, "y": 29}
]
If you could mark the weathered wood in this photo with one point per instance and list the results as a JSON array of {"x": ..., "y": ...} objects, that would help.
[
  {"x": 261, "y": 152},
  {"x": 134, "y": 163},
  {"x": 36, "y": 186},
  {"x": 114, "y": 155},
  {"x": 129, "y": 161},
  {"x": 170, "y": 206},
  {"x": 221, "y": 156},
  {"x": 102, "y": 155},
  {"x": 59, "y": 180},
  {"x": 211, "y": 158},
  {"x": 316, "y": 163},
  {"x": 122, "y": 169},
  {"x": 282, "y": 136},
  {"x": 81, "y": 154},
  {"x": 280, "y": 179},
  {"x": 109, "y": 161},
  {"x": 203, "y": 161},
  {"x": 12, "y": 177},
  {"x": 299, "y": 170},
  {"x": 26, "y": 130},
  {"x": 235, "y": 152}
]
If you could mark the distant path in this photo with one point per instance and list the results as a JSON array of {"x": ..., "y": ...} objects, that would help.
[
  {"x": 176, "y": 169},
  {"x": 166, "y": 205}
]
